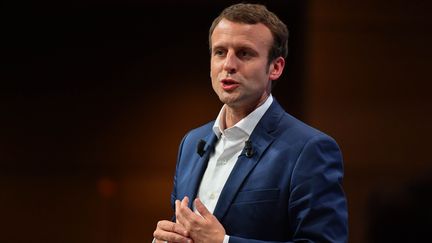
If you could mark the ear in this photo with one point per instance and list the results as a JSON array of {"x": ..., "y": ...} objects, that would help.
[{"x": 276, "y": 68}]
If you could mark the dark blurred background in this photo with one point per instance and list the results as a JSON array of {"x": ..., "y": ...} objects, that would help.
[{"x": 95, "y": 97}]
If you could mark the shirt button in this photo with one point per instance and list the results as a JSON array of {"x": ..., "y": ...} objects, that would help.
[{"x": 212, "y": 196}]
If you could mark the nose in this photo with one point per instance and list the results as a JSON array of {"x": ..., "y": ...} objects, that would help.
[{"x": 231, "y": 63}]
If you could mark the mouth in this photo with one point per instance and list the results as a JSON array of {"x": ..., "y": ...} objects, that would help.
[{"x": 229, "y": 84}]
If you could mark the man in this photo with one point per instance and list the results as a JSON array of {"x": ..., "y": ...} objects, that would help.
[{"x": 256, "y": 174}]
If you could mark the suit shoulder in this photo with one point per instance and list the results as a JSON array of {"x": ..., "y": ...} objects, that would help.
[
  {"x": 288, "y": 127},
  {"x": 200, "y": 132},
  {"x": 299, "y": 130}
]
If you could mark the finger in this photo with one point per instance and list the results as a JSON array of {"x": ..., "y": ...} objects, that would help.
[
  {"x": 177, "y": 208},
  {"x": 201, "y": 208},
  {"x": 179, "y": 229},
  {"x": 170, "y": 237},
  {"x": 168, "y": 226},
  {"x": 186, "y": 217},
  {"x": 164, "y": 225},
  {"x": 184, "y": 211},
  {"x": 185, "y": 202},
  {"x": 179, "y": 205}
]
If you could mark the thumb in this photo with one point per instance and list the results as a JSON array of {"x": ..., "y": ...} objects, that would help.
[{"x": 201, "y": 208}]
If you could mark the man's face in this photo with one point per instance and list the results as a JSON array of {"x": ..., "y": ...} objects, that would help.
[{"x": 240, "y": 73}]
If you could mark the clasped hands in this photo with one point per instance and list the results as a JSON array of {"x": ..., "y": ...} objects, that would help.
[{"x": 190, "y": 227}]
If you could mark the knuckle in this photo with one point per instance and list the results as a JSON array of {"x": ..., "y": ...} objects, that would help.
[
  {"x": 156, "y": 234},
  {"x": 178, "y": 238},
  {"x": 194, "y": 221},
  {"x": 159, "y": 224}
]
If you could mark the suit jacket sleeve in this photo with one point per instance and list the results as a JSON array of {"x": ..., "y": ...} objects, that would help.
[{"x": 174, "y": 192}]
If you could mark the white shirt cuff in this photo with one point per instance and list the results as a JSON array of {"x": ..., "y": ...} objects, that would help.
[
  {"x": 154, "y": 241},
  {"x": 226, "y": 239}
]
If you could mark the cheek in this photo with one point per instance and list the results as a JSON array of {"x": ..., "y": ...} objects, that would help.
[
  {"x": 261, "y": 82},
  {"x": 213, "y": 75},
  {"x": 213, "y": 69}
]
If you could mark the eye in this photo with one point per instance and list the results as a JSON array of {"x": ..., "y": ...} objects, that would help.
[
  {"x": 218, "y": 52},
  {"x": 245, "y": 54}
]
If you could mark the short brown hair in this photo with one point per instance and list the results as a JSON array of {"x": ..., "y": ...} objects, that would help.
[{"x": 253, "y": 14}]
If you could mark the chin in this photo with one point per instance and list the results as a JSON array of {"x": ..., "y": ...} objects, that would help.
[
  {"x": 227, "y": 100},
  {"x": 232, "y": 102}
]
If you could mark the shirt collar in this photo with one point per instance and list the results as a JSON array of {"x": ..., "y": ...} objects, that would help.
[{"x": 247, "y": 124}]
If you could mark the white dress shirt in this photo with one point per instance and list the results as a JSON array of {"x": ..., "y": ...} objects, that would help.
[{"x": 230, "y": 144}]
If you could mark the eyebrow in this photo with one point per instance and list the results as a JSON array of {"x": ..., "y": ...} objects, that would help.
[{"x": 236, "y": 47}]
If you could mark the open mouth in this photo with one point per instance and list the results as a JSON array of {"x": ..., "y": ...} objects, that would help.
[{"x": 229, "y": 84}]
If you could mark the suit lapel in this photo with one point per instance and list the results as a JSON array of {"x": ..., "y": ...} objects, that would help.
[
  {"x": 199, "y": 168},
  {"x": 261, "y": 138}
]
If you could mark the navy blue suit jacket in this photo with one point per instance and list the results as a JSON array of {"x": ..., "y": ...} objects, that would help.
[{"x": 289, "y": 190}]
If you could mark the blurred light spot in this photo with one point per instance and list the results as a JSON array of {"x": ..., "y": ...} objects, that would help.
[{"x": 107, "y": 187}]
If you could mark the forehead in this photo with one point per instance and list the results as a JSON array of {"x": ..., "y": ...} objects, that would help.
[{"x": 231, "y": 33}]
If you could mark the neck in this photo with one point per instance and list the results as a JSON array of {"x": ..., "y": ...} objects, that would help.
[{"x": 234, "y": 114}]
